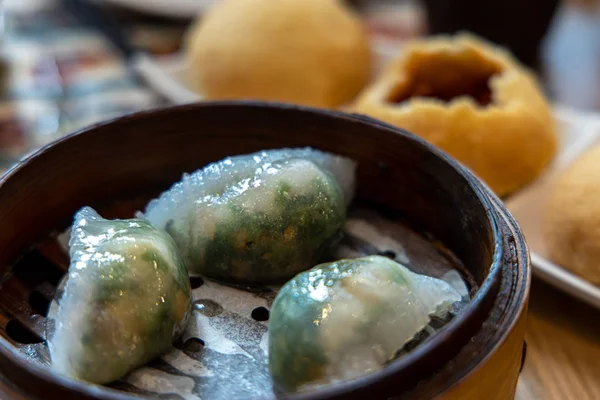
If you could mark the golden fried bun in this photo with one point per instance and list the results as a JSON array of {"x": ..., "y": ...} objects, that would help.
[
  {"x": 572, "y": 217},
  {"x": 310, "y": 52},
  {"x": 472, "y": 100}
]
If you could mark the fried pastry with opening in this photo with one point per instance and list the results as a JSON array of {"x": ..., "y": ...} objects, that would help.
[{"x": 472, "y": 100}]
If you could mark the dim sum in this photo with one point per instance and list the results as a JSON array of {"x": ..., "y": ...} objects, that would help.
[
  {"x": 346, "y": 318},
  {"x": 126, "y": 297},
  {"x": 259, "y": 218}
]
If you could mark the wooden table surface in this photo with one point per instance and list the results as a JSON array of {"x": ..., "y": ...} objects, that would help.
[{"x": 563, "y": 348}]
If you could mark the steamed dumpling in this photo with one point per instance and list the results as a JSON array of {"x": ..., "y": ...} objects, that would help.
[
  {"x": 126, "y": 297},
  {"x": 346, "y": 318},
  {"x": 258, "y": 218}
]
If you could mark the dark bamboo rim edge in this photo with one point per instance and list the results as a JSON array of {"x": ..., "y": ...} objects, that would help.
[{"x": 522, "y": 287}]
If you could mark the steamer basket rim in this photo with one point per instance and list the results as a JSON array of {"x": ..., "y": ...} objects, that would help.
[{"x": 488, "y": 289}]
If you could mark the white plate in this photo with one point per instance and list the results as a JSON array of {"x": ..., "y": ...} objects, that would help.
[
  {"x": 577, "y": 132},
  {"x": 167, "y": 8}
]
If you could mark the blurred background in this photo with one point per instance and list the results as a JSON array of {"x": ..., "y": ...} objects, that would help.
[{"x": 66, "y": 64}]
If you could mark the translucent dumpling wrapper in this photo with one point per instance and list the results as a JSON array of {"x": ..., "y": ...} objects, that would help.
[
  {"x": 343, "y": 319},
  {"x": 258, "y": 218},
  {"x": 126, "y": 297}
]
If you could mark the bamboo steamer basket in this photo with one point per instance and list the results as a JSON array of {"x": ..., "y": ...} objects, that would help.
[{"x": 476, "y": 355}]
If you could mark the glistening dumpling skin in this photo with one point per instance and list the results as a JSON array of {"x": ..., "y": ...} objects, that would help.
[
  {"x": 126, "y": 298},
  {"x": 343, "y": 319},
  {"x": 259, "y": 218}
]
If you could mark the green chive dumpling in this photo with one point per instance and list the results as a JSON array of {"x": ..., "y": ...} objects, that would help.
[
  {"x": 259, "y": 218},
  {"x": 343, "y": 319},
  {"x": 127, "y": 296}
]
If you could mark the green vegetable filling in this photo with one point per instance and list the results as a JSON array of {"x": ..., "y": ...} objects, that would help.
[{"x": 274, "y": 245}]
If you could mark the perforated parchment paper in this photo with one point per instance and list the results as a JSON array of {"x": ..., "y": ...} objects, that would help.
[{"x": 222, "y": 355}]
